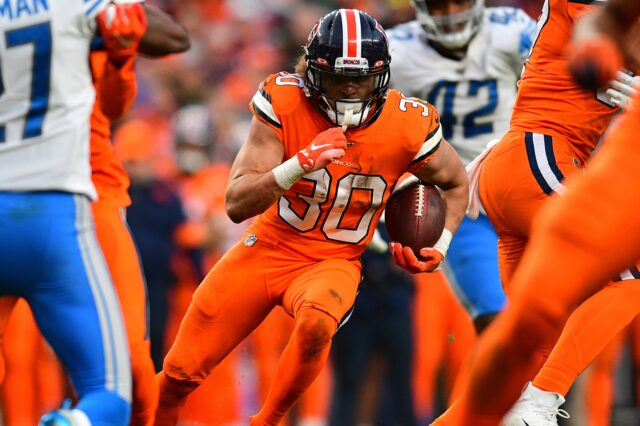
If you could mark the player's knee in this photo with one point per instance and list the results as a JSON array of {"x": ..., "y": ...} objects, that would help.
[
  {"x": 173, "y": 390},
  {"x": 313, "y": 332}
]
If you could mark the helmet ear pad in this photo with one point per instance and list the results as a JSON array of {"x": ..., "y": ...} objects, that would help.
[{"x": 347, "y": 42}]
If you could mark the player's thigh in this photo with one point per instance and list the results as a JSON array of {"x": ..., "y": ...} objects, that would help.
[
  {"x": 472, "y": 267},
  {"x": 77, "y": 311},
  {"x": 228, "y": 305},
  {"x": 520, "y": 175},
  {"x": 124, "y": 265},
  {"x": 329, "y": 286}
]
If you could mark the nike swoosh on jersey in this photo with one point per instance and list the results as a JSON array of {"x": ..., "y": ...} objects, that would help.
[{"x": 315, "y": 147}]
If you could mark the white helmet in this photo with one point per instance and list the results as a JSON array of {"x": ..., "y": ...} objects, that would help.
[{"x": 436, "y": 26}]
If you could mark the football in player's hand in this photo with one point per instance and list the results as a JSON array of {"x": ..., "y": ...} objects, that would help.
[{"x": 415, "y": 215}]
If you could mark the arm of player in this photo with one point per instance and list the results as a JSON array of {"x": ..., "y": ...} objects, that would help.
[
  {"x": 118, "y": 88},
  {"x": 446, "y": 171},
  {"x": 164, "y": 36},
  {"x": 601, "y": 44},
  {"x": 258, "y": 178}
]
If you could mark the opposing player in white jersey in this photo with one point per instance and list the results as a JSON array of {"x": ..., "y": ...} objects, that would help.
[
  {"x": 48, "y": 251},
  {"x": 465, "y": 59}
]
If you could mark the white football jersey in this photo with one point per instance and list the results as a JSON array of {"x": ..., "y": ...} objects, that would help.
[
  {"x": 46, "y": 94},
  {"x": 474, "y": 95}
]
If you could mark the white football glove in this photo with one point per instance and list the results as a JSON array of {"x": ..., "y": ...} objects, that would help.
[{"x": 620, "y": 90}]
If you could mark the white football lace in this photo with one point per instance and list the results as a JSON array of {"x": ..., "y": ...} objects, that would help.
[
  {"x": 419, "y": 200},
  {"x": 551, "y": 416}
]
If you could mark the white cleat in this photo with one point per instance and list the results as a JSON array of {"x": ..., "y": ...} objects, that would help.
[{"x": 535, "y": 408}]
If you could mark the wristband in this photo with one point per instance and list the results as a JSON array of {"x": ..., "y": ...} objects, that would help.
[
  {"x": 288, "y": 173},
  {"x": 442, "y": 245}
]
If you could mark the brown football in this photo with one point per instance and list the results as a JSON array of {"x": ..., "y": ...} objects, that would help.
[{"x": 415, "y": 215}]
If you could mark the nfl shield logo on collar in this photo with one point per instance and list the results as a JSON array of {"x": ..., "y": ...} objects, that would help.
[{"x": 250, "y": 240}]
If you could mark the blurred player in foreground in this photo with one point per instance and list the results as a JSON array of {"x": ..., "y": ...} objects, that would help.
[
  {"x": 50, "y": 255},
  {"x": 579, "y": 241},
  {"x": 465, "y": 60},
  {"x": 325, "y": 149},
  {"x": 115, "y": 81}
]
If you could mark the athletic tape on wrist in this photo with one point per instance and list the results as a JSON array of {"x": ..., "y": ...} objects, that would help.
[
  {"x": 288, "y": 173},
  {"x": 442, "y": 245}
]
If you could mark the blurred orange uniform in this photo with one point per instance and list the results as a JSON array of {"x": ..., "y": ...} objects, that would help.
[
  {"x": 115, "y": 92},
  {"x": 207, "y": 228},
  {"x": 297, "y": 254},
  {"x": 555, "y": 127}
]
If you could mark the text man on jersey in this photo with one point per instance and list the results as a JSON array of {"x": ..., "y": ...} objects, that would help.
[
  {"x": 465, "y": 59},
  {"x": 319, "y": 191}
]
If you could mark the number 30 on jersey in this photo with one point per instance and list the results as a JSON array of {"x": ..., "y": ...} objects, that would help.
[{"x": 332, "y": 226}]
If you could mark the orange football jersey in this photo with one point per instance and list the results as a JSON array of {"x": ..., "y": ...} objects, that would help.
[
  {"x": 332, "y": 213},
  {"x": 549, "y": 102},
  {"x": 108, "y": 175}
]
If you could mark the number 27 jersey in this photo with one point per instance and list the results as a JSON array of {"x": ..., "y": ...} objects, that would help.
[{"x": 332, "y": 213}]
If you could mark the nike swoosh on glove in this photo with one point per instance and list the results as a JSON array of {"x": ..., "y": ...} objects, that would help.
[
  {"x": 323, "y": 149},
  {"x": 122, "y": 26}
]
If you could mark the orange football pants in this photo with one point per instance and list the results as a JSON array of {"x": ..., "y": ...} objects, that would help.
[
  {"x": 269, "y": 340},
  {"x": 517, "y": 179},
  {"x": 34, "y": 381},
  {"x": 235, "y": 297},
  {"x": 579, "y": 241},
  {"x": 124, "y": 265},
  {"x": 443, "y": 334}
]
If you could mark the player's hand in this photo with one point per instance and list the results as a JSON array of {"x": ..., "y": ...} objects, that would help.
[
  {"x": 622, "y": 88},
  {"x": 323, "y": 149},
  {"x": 122, "y": 27},
  {"x": 594, "y": 61},
  {"x": 430, "y": 258}
]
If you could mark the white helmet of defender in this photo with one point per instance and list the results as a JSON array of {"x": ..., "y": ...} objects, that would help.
[{"x": 452, "y": 31}]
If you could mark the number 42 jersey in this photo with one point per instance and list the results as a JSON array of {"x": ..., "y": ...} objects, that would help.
[
  {"x": 475, "y": 94},
  {"x": 332, "y": 212},
  {"x": 46, "y": 94}
]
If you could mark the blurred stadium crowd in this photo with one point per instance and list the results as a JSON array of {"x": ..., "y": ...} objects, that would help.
[{"x": 189, "y": 120}]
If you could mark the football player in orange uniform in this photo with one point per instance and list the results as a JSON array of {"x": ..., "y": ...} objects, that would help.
[
  {"x": 590, "y": 235},
  {"x": 325, "y": 149},
  {"x": 115, "y": 82},
  {"x": 125, "y": 29}
]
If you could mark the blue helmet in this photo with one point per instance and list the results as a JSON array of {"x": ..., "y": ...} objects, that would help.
[{"x": 347, "y": 42}]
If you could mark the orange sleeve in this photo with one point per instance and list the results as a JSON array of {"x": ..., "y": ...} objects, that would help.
[
  {"x": 429, "y": 146},
  {"x": 118, "y": 88}
]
